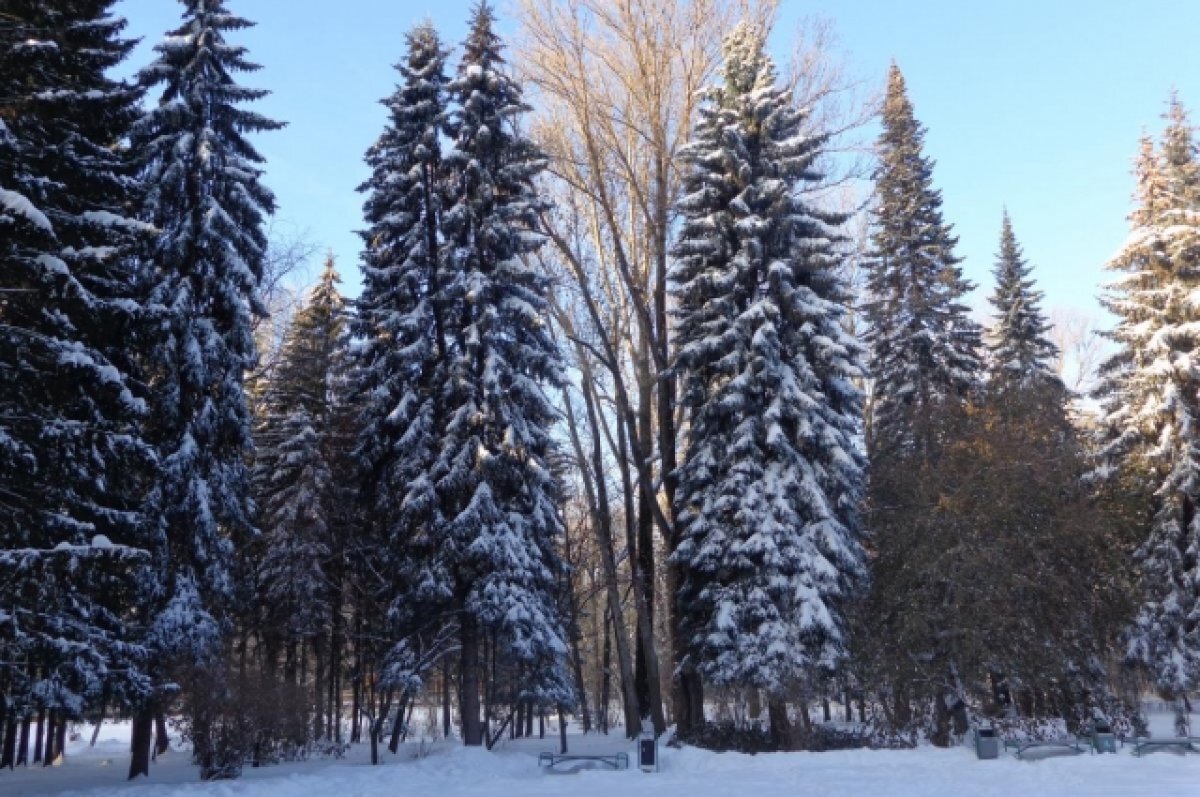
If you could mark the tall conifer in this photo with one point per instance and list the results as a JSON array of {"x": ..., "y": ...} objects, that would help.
[
  {"x": 925, "y": 349},
  {"x": 773, "y": 470},
  {"x": 297, "y": 487},
  {"x": 203, "y": 192},
  {"x": 400, "y": 352},
  {"x": 1021, "y": 352},
  {"x": 71, "y": 457},
  {"x": 498, "y": 494},
  {"x": 1150, "y": 389}
]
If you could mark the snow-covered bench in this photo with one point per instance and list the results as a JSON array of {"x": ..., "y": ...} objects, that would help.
[
  {"x": 564, "y": 762},
  {"x": 1142, "y": 744},
  {"x": 1062, "y": 744}
]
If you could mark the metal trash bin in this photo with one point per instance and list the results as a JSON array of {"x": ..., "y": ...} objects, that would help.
[
  {"x": 1103, "y": 738},
  {"x": 648, "y": 749},
  {"x": 987, "y": 743}
]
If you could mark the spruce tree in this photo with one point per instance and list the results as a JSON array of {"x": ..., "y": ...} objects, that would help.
[
  {"x": 1020, "y": 351},
  {"x": 925, "y": 349},
  {"x": 498, "y": 495},
  {"x": 204, "y": 194},
  {"x": 72, "y": 461},
  {"x": 773, "y": 470},
  {"x": 295, "y": 466},
  {"x": 401, "y": 348},
  {"x": 1150, "y": 389},
  {"x": 926, "y": 369}
]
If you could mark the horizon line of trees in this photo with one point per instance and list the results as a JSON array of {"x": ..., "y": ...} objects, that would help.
[{"x": 627, "y": 414}]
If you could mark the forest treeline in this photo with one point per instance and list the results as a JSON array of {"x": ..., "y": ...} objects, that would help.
[{"x": 635, "y": 421}]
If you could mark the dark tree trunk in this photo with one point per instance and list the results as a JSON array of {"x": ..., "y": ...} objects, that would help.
[
  {"x": 781, "y": 726},
  {"x": 335, "y": 669},
  {"x": 49, "y": 751},
  {"x": 541, "y": 723},
  {"x": 826, "y": 710},
  {"x": 903, "y": 708},
  {"x": 687, "y": 692},
  {"x": 23, "y": 742},
  {"x": 60, "y": 738},
  {"x": 96, "y": 730},
  {"x": 412, "y": 706},
  {"x": 162, "y": 742},
  {"x": 398, "y": 725},
  {"x": 528, "y": 721},
  {"x": 518, "y": 729},
  {"x": 646, "y": 656},
  {"x": 139, "y": 759},
  {"x": 319, "y": 686},
  {"x": 472, "y": 729},
  {"x": 562, "y": 732},
  {"x": 446, "y": 684},
  {"x": 8, "y": 755},
  {"x": 605, "y": 673},
  {"x": 941, "y": 722}
]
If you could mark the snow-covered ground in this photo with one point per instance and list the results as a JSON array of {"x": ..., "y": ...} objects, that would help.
[{"x": 451, "y": 771}]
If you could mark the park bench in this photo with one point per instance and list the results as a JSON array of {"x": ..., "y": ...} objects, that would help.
[
  {"x": 1062, "y": 744},
  {"x": 564, "y": 762},
  {"x": 1143, "y": 744}
]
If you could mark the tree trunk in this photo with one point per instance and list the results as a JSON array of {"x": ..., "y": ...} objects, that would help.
[
  {"x": 605, "y": 672},
  {"x": 48, "y": 751},
  {"x": 781, "y": 726},
  {"x": 335, "y": 667},
  {"x": 96, "y": 730},
  {"x": 941, "y": 722},
  {"x": 649, "y": 682},
  {"x": 687, "y": 693},
  {"x": 398, "y": 725},
  {"x": 23, "y": 742},
  {"x": 596, "y": 492},
  {"x": 8, "y": 754},
  {"x": 139, "y": 760},
  {"x": 60, "y": 738},
  {"x": 528, "y": 721},
  {"x": 562, "y": 732},
  {"x": 468, "y": 700},
  {"x": 162, "y": 742},
  {"x": 446, "y": 699}
]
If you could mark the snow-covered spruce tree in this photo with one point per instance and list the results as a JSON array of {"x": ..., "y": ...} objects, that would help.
[
  {"x": 773, "y": 469},
  {"x": 497, "y": 494},
  {"x": 925, "y": 349},
  {"x": 71, "y": 458},
  {"x": 294, "y": 476},
  {"x": 1021, "y": 354},
  {"x": 1150, "y": 390},
  {"x": 399, "y": 357},
  {"x": 203, "y": 192}
]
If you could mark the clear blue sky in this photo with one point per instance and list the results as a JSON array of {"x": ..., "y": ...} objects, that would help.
[{"x": 1033, "y": 105}]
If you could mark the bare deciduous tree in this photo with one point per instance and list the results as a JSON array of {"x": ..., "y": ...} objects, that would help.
[
  {"x": 1080, "y": 347},
  {"x": 616, "y": 84}
]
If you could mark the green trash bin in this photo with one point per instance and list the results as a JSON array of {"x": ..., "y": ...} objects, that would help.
[
  {"x": 987, "y": 743},
  {"x": 1103, "y": 738}
]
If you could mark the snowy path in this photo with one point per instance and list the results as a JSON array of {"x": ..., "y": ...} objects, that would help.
[{"x": 457, "y": 772}]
